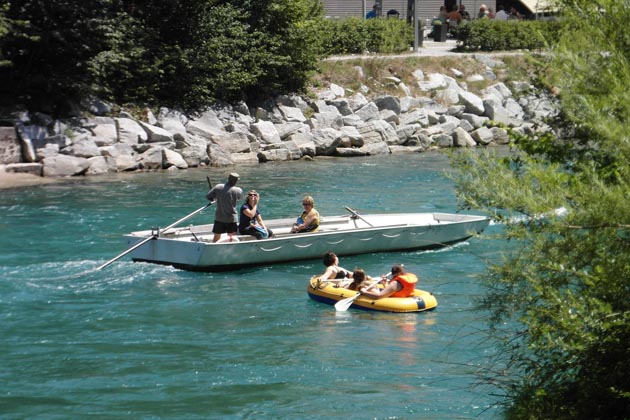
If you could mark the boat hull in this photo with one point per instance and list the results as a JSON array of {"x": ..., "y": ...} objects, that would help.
[
  {"x": 191, "y": 248},
  {"x": 330, "y": 294}
]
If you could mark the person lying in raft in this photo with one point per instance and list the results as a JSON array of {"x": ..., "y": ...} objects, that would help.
[
  {"x": 309, "y": 220},
  {"x": 359, "y": 280},
  {"x": 402, "y": 284},
  {"x": 334, "y": 273}
]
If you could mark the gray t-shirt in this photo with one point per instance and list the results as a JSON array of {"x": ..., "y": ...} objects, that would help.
[{"x": 226, "y": 196}]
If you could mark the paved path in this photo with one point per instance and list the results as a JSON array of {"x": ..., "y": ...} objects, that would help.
[{"x": 429, "y": 48}]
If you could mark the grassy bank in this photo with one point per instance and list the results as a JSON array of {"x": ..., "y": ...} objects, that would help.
[{"x": 376, "y": 72}]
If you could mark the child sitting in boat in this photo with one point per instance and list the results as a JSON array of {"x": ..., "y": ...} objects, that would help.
[{"x": 402, "y": 284}]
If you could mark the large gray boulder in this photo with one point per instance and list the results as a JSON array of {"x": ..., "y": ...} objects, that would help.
[
  {"x": 206, "y": 125},
  {"x": 173, "y": 122},
  {"x": 351, "y": 136},
  {"x": 172, "y": 158},
  {"x": 495, "y": 111},
  {"x": 266, "y": 132},
  {"x": 432, "y": 81},
  {"x": 101, "y": 165},
  {"x": 389, "y": 102},
  {"x": 483, "y": 135},
  {"x": 279, "y": 154},
  {"x": 103, "y": 129},
  {"x": 153, "y": 158},
  {"x": 326, "y": 120},
  {"x": 326, "y": 140},
  {"x": 64, "y": 165},
  {"x": 250, "y": 158},
  {"x": 123, "y": 154},
  {"x": 130, "y": 131},
  {"x": 292, "y": 114},
  {"x": 378, "y": 131},
  {"x": 474, "y": 104},
  {"x": 157, "y": 134},
  {"x": 416, "y": 116},
  {"x": 368, "y": 112},
  {"x": 373, "y": 149},
  {"x": 236, "y": 142},
  {"x": 357, "y": 101},
  {"x": 217, "y": 156},
  {"x": 287, "y": 129},
  {"x": 194, "y": 150},
  {"x": 85, "y": 148},
  {"x": 342, "y": 105},
  {"x": 462, "y": 139},
  {"x": 350, "y": 152},
  {"x": 322, "y": 106},
  {"x": 475, "y": 120},
  {"x": 305, "y": 143}
]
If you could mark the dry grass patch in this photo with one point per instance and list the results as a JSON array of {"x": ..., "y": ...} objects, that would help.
[{"x": 376, "y": 72}]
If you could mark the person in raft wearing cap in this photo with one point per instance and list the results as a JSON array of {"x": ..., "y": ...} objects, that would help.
[
  {"x": 226, "y": 196},
  {"x": 402, "y": 284}
]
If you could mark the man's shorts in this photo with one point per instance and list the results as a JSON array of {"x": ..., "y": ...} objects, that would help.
[{"x": 222, "y": 227}]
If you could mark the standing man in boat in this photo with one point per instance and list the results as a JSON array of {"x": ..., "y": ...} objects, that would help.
[
  {"x": 402, "y": 284},
  {"x": 225, "y": 216}
]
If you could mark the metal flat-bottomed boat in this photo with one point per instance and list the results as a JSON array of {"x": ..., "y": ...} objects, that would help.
[{"x": 191, "y": 247}]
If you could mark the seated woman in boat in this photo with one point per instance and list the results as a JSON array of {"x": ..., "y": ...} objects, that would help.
[
  {"x": 402, "y": 284},
  {"x": 250, "y": 221},
  {"x": 309, "y": 220},
  {"x": 334, "y": 273}
]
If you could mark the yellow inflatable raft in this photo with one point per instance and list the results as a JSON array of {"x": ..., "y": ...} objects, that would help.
[{"x": 330, "y": 293}]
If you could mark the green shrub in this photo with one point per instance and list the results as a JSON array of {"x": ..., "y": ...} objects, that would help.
[
  {"x": 495, "y": 35},
  {"x": 359, "y": 36}
]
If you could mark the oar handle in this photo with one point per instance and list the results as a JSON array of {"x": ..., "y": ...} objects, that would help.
[
  {"x": 183, "y": 219},
  {"x": 354, "y": 213},
  {"x": 355, "y": 297},
  {"x": 344, "y": 304}
]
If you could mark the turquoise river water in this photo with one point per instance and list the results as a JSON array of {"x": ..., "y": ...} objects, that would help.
[{"x": 143, "y": 341}]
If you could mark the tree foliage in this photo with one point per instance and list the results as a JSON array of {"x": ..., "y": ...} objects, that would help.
[
  {"x": 177, "y": 52},
  {"x": 560, "y": 299}
]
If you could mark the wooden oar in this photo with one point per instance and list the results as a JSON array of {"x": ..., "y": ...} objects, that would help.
[
  {"x": 344, "y": 304},
  {"x": 354, "y": 213},
  {"x": 144, "y": 241}
]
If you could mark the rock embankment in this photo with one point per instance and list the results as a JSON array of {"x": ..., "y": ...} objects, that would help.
[{"x": 337, "y": 123}]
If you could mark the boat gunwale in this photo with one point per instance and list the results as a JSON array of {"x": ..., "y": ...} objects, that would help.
[{"x": 174, "y": 234}]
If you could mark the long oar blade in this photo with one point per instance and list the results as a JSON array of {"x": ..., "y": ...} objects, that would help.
[
  {"x": 119, "y": 256},
  {"x": 344, "y": 304},
  {"x": 139, "y": 244}
]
